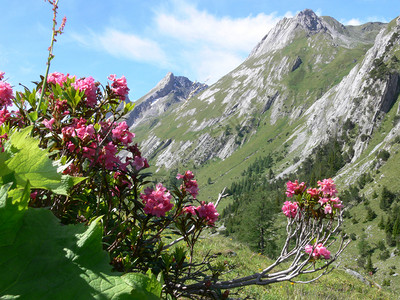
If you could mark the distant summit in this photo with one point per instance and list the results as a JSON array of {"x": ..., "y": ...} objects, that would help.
[
  {"x": 169, "y": 91},
  {"x": 307, "y": 23}
]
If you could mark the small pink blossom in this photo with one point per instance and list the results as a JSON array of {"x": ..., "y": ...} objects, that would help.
[
  {"x": 157, "y": 202},
  {"x": 337, "y": 203},
  {"x": 5, "y": 116},
  {"x": 88, "y": 85},
  {"x": 57, "y": 78},
  {"x": 327, "y": 187},
  {"x": 1, "y": 75},
  {"x": 208, "y": 212},
  {"x": 290, "y": 209},
  {"x": 294, "y": 188},
  {"x": 318, "y": 251},
  {"x": 6, "y": 94},
  {"x": 187, "y": 176},
  {"x": 192, "y": 187},
  {"x": 322, "y": 201},
  {"x": 189, "y": 184},
  {"x": 139, "y": 162},
  {"x": 48, "y": 123},
  {"x": 119, "y": 86},
  {"x": 189, "y": 210},
  {"x": 122, "y": 134},
  {"x": 327, "y": 209},
  {"x": 313, "y": 192}
]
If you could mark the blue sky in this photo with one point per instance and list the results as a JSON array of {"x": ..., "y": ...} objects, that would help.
[{"x": 145, "y": 39}]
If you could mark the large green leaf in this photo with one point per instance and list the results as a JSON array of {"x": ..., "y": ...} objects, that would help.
[
  {"x": 23, "y": 160},
  {"x": 39, "y": 257},
  {"x": 46, "y": 260}
]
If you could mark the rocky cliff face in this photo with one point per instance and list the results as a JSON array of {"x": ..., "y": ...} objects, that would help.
[
  {"x": 169, "y": 91},
  {"x": 308, "y": 76}
]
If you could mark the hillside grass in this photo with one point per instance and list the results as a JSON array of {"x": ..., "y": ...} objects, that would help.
[{"x": 242, "y": 261}]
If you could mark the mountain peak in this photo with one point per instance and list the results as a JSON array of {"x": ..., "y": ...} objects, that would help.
[{"x": 310, "y": 21}]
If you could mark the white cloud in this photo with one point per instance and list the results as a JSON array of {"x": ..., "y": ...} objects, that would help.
[
  {"x": 353, "y": 22},
  {"x": 356, "y": 21},
  {"x": 211, "y": 46},
  {"x": 209, "y": 64},
  {"x": 189, "y": 25},
  {"x": 124, "y": 45}
]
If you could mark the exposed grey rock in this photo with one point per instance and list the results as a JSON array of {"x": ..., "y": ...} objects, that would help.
[
  {"x": 296, "y": 64},
  {"x": 169, "y": 91}
]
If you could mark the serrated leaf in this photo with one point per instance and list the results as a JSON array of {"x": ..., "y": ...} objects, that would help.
[
  {"x": 45, "y": 260},
  {"x": 39, "y": 170}
]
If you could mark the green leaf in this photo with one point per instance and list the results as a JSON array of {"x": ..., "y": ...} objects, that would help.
[
  {"x": 30, "y": 163},
  {"x": 45, "y": 260},
  {"x": 33, "y": 116}
]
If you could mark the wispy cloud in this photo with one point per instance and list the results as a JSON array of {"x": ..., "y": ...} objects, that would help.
[
  {"x": 186, "y": 40},
  {"x": 353, "y": 22},
  {"x": 123, "y": 45},
  {"x": 216, "y": 44},
  {"x": 356, "y": 21}
]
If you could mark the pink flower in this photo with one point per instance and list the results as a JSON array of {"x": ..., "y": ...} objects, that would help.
[
  {"x": 308, "y": 249},
  {"x": 318, "y": 251},
  {"x": 313, "y": 192},
  {"x": 189, "y": 210},
  {"x": 294, "y": 188},
  {"x": 33, "y": 195},
  {"x": 192, "y": 187},
  {"x": 322, "y": 201},
  {"x": 57, "y": 78},
  {"x": 187, "y": 176},
  {"x": 327, "y": 187},
  {"x": 108, "y": 156},
  {"x": 322, "y": 251},
  {"x": 4, "y": 116},
  {"x": 157, "y": 202},
  {"x": 48, "y": 123},
  {"x": 88, "y": 85},
  {"x": 139, "y": 162},
  {"x": 290, "y": 209},
  {"x": 6, "y": 94},
  {"x": 208, "y": 212},
  {"x": 119, "y": 86},
  {"x": 327, "y": 209},
  {"x": 189, "y": 185},
  {"x": 1, "y": 75},
  {"x": 122, "y": 134},
  {"x": 336, "y": 203}
]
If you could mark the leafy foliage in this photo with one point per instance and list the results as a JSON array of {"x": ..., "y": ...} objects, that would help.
[{"x": 40, "y": 258}]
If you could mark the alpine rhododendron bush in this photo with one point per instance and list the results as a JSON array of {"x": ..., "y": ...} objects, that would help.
[{"x": 147, "y": 227}]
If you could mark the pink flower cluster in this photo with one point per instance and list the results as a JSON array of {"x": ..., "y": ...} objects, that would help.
[
  {"x": 122, "y": 134},
  {"x": 189, "y": 184},
  {"x": 318, "y": 251},
  {"x": 6, "y": 92},
  {"x": 205, "y": 211},
  {"x": 13, "y": 118},
  {"x": 57, "y": 78},
  {"x": 157, "y": 202},
  {"x": 294, "y": 188},
  {"x": 119, "y": 86},
  {"x": 290, "y": 209},
  {"x": 324, "y": 195},
  {"x": 89, "y": 86},
  {"x": 80, "y": 137}
]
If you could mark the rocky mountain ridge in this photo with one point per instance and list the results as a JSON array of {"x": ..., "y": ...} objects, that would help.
[
  {"x": 169, "y": 91},
  {"x": 308, "y": 77}
]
